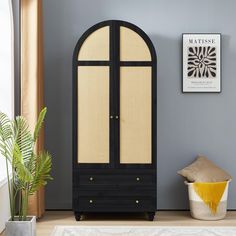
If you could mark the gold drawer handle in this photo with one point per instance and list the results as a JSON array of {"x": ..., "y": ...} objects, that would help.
[
  {"x": 137, "y": 201},
  {"x": 91, "y": 178},
  {"x": 90, "y": 201},
  {"x": 137, "y": 178}
]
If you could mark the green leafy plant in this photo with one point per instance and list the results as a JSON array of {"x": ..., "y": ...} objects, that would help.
[{"x": 29, "y": 171}]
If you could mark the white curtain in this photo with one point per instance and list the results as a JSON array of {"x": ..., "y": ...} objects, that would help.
[
  {"x": 6, "y": 93},
  {"x": 6, "y": 65}
]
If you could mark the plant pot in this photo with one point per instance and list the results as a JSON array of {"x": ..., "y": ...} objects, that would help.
[{"x": 21, "y": 228}]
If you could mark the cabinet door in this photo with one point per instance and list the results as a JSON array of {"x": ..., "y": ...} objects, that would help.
[
  {"x": 136, "y": 81},
  {"x": 93, "y": 98},
  {"x": 135, "y": 115},
  {"x": 93, "y": 114}
]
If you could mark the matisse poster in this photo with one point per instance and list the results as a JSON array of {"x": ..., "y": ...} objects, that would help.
[{"x": 202, "y": 63}]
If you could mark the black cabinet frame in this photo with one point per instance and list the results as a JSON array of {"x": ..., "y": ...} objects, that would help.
[{"x": 108, "y": 174}]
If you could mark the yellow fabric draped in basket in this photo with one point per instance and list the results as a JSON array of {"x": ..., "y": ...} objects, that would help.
[{"x": 210, "y": 193}]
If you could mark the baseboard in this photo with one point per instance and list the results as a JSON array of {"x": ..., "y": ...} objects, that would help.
[{"x": 69, "y": 209}]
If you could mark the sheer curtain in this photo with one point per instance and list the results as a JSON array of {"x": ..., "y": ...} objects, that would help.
[
  {"x": 6, "y": 67},
  {"x": 6, "y": 94}
]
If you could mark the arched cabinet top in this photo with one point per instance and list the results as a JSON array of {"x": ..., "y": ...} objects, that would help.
[{"x": 96, "y": 45}]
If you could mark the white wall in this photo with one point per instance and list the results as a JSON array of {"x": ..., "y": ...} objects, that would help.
[{"x": 4, "y": 205}]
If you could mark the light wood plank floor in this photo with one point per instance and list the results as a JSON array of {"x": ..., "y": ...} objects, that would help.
[{"x": 46, "y": 224}]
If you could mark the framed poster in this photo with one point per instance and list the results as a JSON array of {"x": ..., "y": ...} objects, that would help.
[{"x": 202, "y": 63}]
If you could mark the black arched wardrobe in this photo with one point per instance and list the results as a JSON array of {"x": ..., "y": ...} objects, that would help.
[{"x": 114, "y": 120}]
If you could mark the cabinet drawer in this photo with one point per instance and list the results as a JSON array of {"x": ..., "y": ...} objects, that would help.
[
  {"x": 116, "y": 204},
  {"x": 116, "y": 179},
  {"x": 112, "y": 190}
]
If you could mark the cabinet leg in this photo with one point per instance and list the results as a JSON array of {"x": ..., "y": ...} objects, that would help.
[
  {"x": 151, "y": 216},
  {"x": 77, "y": 216}
]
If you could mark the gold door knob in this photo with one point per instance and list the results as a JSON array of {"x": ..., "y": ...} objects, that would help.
[
  {"x": 111, "y": 117},
  {"x": 91, "y": 178},
  {"x": 137, "y": 201},
  {"x": 90, "y": 201},
  {"x": 137, "y": 178},
  {"x": 117, "y": 117}
]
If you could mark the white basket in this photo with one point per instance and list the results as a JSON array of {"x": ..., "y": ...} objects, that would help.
[{"x": 199, "y": 210}]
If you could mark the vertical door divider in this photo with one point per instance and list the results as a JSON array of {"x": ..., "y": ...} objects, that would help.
[
  {"x": 116, "y": 64},
  {"x": 114, "y": 93},
  {"x": 112, "y": 97}
]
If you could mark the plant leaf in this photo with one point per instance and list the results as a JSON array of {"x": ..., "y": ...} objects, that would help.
[
  {"x": 23, "y": 138},
  {"x": 21, "y": 170},
  {"x": 41, "y": 171},
  {"x": 39, "y": 123},
  {"x": 6, "y": 136}
]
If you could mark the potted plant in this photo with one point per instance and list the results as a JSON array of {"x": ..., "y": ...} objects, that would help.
[{"x": 27, "y": 170}]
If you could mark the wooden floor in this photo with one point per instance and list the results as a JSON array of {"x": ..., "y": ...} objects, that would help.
[{"x": 163, "y": 218}]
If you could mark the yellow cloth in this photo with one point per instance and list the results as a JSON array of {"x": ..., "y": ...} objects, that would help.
[{"x": 210, "y": 193}]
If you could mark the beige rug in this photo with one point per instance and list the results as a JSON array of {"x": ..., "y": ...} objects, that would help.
[{"x": 142, "y": 231}]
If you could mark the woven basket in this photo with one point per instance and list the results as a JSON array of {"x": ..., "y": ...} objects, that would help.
[{"x": 199, "y": 210}]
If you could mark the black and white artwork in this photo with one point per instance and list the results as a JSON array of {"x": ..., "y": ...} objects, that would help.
[{"x": 201, "y": 63}]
